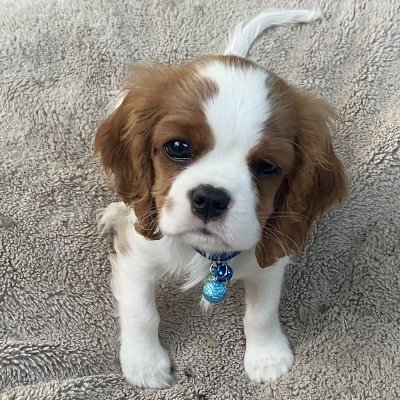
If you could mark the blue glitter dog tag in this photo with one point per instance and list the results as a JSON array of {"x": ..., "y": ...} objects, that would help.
[{"x": 214, "y": 290}]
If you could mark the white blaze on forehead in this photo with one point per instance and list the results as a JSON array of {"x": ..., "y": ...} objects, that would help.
[{"x": 238, "y": 112}]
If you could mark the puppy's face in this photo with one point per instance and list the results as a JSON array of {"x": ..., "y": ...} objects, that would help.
[
  {"x": 223, "y": 155},
  {"x": 217, "y": 165}
]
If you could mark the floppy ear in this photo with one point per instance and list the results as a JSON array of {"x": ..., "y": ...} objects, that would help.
[
  {"x": 317, "y": 182},
  {"x": 124, "y": 141}
]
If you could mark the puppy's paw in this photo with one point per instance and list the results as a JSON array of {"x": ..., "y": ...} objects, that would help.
[
  {"x": 148, "y": 369},
  {"x": 268, "y": 362}
]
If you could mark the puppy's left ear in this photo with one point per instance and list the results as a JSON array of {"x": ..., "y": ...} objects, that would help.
[{"x": 316, "y": 183}]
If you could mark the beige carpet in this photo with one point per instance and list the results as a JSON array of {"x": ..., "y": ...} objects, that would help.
[{"x": 59, "y": 63}]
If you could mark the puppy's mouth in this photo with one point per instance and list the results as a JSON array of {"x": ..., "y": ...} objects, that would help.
[
  {"x": 206, "y": 239},
  {"x": 205, "y": 232},
  {"x": 201, "y": 231},
  {"x": 202, "y": 234}
]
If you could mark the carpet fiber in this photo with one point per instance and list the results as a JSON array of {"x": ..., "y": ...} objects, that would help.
[{"x": 60, "y": 64}]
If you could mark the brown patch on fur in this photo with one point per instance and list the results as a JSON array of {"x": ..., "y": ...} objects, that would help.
[
  {"x": 229, "y": 60},
  {"x": 280, "y": 152},
  {"x": 315, "y": 182},
  {"x": 161, "y": 104}
]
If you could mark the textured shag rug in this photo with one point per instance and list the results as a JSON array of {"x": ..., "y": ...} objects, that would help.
[{"x": 60, "y": 63}]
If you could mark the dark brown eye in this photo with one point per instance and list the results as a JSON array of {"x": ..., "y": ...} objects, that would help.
[
  {"x": 178, "y": 151},
  {"x": 265, "y": 167}
]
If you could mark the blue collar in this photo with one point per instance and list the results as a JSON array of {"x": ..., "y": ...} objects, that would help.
[
  {"x": 215, "y": 288},
  {"x": 220, "y": 257}
]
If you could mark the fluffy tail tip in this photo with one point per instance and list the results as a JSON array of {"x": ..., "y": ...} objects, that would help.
[{"x": 315, "y": 14}]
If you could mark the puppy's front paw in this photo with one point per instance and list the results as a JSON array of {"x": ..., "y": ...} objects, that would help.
[
  {"x": 268, "y": 362},
  {"x": 148, "y": 368}
]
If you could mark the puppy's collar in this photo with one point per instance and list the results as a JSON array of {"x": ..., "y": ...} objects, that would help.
[
  {"x": 218, "y": 257},
  {"x": 215, "y": 289}
]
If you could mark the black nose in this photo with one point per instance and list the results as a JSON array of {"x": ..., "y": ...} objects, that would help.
[{"x": 209, "y": 202}]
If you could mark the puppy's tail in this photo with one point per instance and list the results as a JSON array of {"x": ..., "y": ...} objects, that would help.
[{"x": 244, "y": 36}]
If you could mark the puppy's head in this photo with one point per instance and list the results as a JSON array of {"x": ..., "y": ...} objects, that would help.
[{"x": 223, "y": 155}]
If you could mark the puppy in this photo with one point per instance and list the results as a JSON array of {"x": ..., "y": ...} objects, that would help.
[{"x": 223, "y": 169}]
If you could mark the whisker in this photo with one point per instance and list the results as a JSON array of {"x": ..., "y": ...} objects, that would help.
[
  {"x": 271, "y": 235},
  {"x": 274, "y": 232},
  {"x": 284, "y": 235}
]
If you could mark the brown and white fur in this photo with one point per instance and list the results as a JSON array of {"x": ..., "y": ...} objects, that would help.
[{"x": 245, "y": 133}]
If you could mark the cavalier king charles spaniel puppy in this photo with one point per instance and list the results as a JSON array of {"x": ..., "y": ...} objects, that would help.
[{"x": 222, "y": 168}]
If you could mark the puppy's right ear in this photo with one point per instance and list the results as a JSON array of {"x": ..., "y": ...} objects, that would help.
[
  {"x": 124, "y": 141},
  {"x": 115, "y": 151}
]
